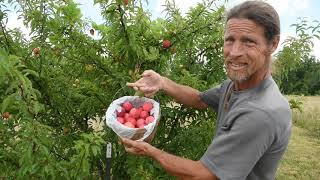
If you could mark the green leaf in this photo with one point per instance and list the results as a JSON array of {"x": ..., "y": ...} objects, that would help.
[
  {"x": 139, "y": 93},
  {"x": 38, "y": 107},
  {"x": 8, "y": 101},
  {"x": 26, "y": 72},
  {"x": 95, "y": 150}
]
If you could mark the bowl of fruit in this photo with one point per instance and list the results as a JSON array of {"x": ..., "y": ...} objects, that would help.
[{"x": 133, "y": 117}]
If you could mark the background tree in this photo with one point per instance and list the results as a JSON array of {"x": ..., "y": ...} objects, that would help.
[
  {"x": 56, "y": 86},
  {"x": 296, "y": 70}
]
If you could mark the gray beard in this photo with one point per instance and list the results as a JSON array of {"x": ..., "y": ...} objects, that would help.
[{"x": 236, "y": 78}]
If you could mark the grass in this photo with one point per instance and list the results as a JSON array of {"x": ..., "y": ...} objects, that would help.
[
  {"x": 309, "y": 118},
  {"x": 302, "y": 159}
]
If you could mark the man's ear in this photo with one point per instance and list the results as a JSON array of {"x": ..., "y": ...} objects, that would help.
[{"x": 274, "y": 44}]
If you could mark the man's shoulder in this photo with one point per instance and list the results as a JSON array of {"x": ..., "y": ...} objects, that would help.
[
  {"x": 273, "y": 109},
  {"x": 225, "y": 83},
  {"x": 217, "y": 89},
  {"x": 267, "y": 102},
  {"x": 271, "y": 101}
]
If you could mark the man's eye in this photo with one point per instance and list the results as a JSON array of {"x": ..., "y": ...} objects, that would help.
[
  {"x": 229, "y": 40},
  {"x": 249, "y": 42}
]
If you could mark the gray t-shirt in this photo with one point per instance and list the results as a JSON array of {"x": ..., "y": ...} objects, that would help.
[{"x": 252, "y": 132}]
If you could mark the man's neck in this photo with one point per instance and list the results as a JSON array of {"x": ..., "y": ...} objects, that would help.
[{"x": 253, "y": 81}]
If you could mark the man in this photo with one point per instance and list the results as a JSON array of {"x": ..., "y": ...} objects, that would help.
[{"x": 254, "y": 119}]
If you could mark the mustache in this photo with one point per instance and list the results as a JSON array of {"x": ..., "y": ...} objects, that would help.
[{"x": 226, "y": 61}]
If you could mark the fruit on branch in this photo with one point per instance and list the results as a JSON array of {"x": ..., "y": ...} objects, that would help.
[
  {"x": 6, "y": 115},
  {"x": 166, "y": 43}
]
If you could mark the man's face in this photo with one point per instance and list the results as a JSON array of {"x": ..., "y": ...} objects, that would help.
[{"x": 246, "y": 50}]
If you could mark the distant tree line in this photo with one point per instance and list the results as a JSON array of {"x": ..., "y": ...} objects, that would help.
[{"x": 296, "y": 70}]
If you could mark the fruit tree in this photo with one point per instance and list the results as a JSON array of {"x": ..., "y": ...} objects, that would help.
[{"x": 56, "y": 85}]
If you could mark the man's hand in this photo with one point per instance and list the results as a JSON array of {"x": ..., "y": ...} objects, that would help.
[
  {"x": 150, "y": 83},
  {"x": 177, "y": 166},
  {"x": 137, "y": 147}
]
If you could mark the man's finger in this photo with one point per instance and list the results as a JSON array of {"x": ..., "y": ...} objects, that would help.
[
  {"x": 134, "y": 151},
  {"x": 129, "y": 146},
  {"x": 144, "y": 89},
  {"x": 136, "y": 84},
  {"x": 131, "y": 84},
  {"x": 122, "y": 140},
  {"x": 130, "y": 150},
  {"x": 147, "y": 73},
  {"x": 128, "y": 142}
]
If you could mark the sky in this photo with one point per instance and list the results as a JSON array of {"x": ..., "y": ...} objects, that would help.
[{"x": 289, "y": 12}]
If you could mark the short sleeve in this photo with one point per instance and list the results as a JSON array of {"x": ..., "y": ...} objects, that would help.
[
  {"x": 211, "y": 97},
  {"x": 236, "y": 150}
]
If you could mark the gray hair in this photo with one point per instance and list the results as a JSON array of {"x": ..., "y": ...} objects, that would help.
[{"x": 259, "y": 12}]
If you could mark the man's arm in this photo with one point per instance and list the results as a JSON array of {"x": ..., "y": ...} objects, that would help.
[
  {"x": 151, "y": 82},
  {"x": 183, "y": 94},
  {"x": 182, "y": 168}
]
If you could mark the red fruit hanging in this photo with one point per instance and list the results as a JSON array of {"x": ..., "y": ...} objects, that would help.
[
  {"x": 36, "y": 51},
  {"x": 5, "y": 115},
  {"x": 166, "y": 43},
  {"x": 66, "y": 130}
]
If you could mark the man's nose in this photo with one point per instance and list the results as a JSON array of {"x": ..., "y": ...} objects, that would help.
[{"x": 236, "y": 50}]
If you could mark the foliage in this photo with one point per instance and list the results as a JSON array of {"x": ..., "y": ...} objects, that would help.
[
  {"x": 62, "y": 78},
  {"x": 301, "y": 159},
  {"x": 296, "y": 70},
  {"x": 308, "y": 116},
  {"x": 296, "y": 103}
]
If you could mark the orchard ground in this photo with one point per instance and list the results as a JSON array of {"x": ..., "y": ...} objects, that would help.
[{"x": 302, "y": 160}]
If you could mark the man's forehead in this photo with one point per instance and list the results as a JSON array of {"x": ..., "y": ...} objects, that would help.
[
  {"x": 234, "y": 22},
  {"x": 243, "y": 25}
]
